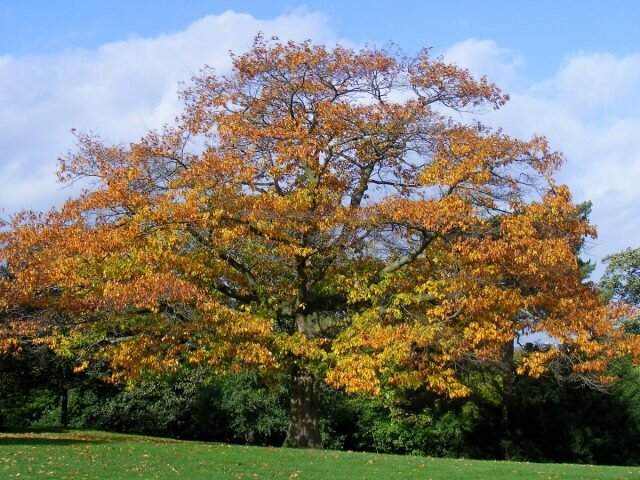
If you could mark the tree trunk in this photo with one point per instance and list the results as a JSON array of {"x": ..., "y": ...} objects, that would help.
[
  {"x": 64, "y": 407},
  {"x": 304, "y": 427}
]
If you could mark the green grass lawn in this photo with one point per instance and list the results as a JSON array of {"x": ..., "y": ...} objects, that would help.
[{"x": 98, "y": 455}]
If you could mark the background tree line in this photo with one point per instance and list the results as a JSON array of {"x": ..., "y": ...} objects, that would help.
[{"x": 549, "y": 421}]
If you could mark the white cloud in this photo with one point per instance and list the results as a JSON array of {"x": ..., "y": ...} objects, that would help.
[
  {"x": 591, "y": 83},
  {"x": 486, "y": 57},
  {"x": 119, "y": 90},
  {"x": 589, "y": 111}
]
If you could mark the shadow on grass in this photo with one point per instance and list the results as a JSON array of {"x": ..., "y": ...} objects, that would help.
[
  {"x": 34, "y": 430},
  {"x": 44, "y": 441},
  {"x": 49, "y": 436},
  {"x": 71, "y": 436}
]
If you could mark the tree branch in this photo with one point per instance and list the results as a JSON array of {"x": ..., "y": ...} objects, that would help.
[{"x": 409, "y": 257}]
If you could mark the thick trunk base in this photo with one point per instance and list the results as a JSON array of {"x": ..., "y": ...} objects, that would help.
[{"x": 304, "y": 426}]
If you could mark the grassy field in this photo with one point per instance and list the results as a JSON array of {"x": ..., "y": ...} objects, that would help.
[{"x": 98, "y": 455}]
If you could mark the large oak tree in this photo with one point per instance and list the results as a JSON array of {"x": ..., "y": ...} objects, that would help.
[{"x": 322, "y": 212}]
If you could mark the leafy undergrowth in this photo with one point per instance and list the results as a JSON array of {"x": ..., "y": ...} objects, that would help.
[{"x": 99, "y": 455}]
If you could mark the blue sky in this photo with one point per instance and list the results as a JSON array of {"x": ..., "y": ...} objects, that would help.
[
  {"x": 572, "y": 69},
  {"x": 546, "y": 32}
]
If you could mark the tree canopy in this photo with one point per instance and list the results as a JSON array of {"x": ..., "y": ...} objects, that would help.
[
  {"x": 621, "y": 282},
  {"x": 621, "y": 279},
  {"x": 322, "y": 212}
]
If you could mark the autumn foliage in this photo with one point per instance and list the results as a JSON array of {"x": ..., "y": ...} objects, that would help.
[{"x": 318, "y": 211}]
